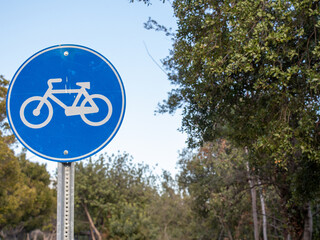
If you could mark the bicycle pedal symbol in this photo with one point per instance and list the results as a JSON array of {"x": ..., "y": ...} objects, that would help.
[{"x": 86, "y": 107}]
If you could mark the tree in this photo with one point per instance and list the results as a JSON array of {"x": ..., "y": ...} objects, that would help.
[
  {"x": 13, "y": 194},
  {"x": 215, "y": 177},
  {"x": 90, "y": 189},
  {"x": 171, "y": 212},
  {"x": 148, "y": 2},
  {"x": 26, "y": 200},
  {"x": 215, "y": 180},
  {"x": 112, "y": 195},
  {"x": 249, "y": 71},
  {"x": 121, "y": 200},
  {"x": 42, "y": 212}
]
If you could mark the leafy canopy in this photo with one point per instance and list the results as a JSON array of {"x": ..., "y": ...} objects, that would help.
[
  {"x": 249, "y": 71},
  {"x": 248, "y": 65},
  {"x": 26, "y": 200}
]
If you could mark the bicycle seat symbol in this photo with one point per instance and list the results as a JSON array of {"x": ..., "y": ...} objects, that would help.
[{"x": 87, "y": 106}]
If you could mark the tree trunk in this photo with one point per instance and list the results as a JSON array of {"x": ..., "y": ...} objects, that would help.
[
  {"x": 3, "y": 235},
  {"x": 92, "y": 226},
  {"x": 296, "y": 217},
  {"x": 263, "y": 210},
  {"x": 92, "y": 234},
  {"x": 229, "y": 233},
  {"x": 308, "y": 225},
  {"x": 225, "y": 228},
  {"x": 254, "y": 203}
]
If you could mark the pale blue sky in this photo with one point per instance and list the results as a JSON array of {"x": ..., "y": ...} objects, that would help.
[{"x": 115, "y": 29}]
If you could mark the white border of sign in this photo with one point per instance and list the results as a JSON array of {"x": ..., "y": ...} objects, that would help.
[{"x": 105, "y": 142}]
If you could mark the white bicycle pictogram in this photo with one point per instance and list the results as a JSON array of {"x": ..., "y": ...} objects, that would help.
[{"x": 87, "y": 106}]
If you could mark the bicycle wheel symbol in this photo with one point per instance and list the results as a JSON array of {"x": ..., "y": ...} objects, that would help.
[
  {"x": 106, "y": 109},
  {"x": 40, "y": 117}
]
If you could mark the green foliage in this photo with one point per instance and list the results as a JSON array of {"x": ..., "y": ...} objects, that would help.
[
  {"x": 216, "y": 179},
  {"x": 12, "y": 195},
  {"x": 116, "y": 193},
  {"x": 26, "y": 200},
  {"x": 148, "y": 2},
  {"x": 247, "y": 64},
  {"x": 249, "y": 71},
  {"x": 42, "y": 209},
  {"x": 217, "y": 192},
  {"x": 131, "y": 222},
  {"x": 125, "y": 202},
  {"x": 170, "y": 211}
]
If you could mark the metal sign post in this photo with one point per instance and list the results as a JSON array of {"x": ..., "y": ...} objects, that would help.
[{"x": 65, "y": 201}]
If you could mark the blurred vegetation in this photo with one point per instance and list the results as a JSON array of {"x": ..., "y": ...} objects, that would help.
[{"x": 27, "y": 202}]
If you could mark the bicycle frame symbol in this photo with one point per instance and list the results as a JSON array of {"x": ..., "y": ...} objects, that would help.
[{"x": 73, "y": 110}]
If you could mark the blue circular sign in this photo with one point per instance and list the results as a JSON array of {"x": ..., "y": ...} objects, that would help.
[{"x": 65, "y": 103}]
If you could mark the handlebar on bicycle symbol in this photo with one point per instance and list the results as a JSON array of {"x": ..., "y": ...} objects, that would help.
[{"x": 54, "y": 80}]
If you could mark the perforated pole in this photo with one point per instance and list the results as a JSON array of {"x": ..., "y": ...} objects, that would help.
[{"x": 65, "y": 201}]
